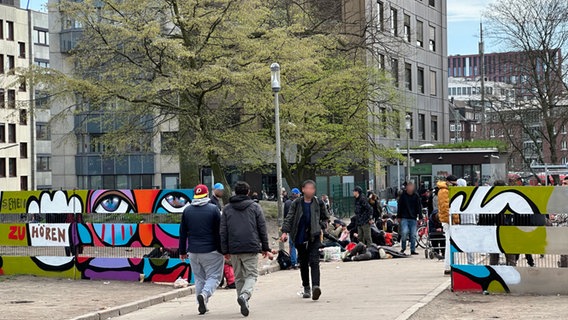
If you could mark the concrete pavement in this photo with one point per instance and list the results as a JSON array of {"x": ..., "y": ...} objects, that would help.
[{"x": 381, "y": 289}]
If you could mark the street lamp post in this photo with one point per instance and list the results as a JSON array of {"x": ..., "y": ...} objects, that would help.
[
  {"x": 275, "y": 82},
  {"x": 398, "y": 166},
  {"x": 408, "y": 128}
]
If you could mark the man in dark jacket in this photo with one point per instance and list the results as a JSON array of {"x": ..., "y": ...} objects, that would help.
[
  {"x": 199, "y": 235},
  {"x": 304, "y": 226},
  {"x": 243, "y": 237},
  {"x": 409, "y": 210},
  {"x": 364, "y": 214},
  {"x": 294, "y": 194}
]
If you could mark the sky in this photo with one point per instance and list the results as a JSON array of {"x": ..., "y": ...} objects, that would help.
[
  {"x": 463, "y": 23},
  {"x": 464, "y": 17}
]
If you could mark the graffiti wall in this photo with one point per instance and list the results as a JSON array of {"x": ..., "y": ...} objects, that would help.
[
  {"x": 71, "y": 233},
  {"x": 504, "y": 206}
]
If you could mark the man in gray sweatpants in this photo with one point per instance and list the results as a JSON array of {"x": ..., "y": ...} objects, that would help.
[
  {"x": 243, "y": 237},
  {"x": 199, "y": 235}
]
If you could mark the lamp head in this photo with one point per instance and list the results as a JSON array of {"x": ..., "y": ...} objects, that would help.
[
  {"x": 275, "y": 77},
  {"x": 408, "y": 123}
]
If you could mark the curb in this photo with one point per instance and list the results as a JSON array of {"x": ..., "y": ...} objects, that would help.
[
  {"x": 150, "y": 301},
  {"x": 424, "y": 301}
]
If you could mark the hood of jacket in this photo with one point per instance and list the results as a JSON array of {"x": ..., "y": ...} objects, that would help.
[
  {"x": 200, "y": 202},
  {"x": 240, "y": 202},
  {"x": 442, "y": 185}
]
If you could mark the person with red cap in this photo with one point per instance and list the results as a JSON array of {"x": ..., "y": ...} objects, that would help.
[{"x": 200, "y": 240}]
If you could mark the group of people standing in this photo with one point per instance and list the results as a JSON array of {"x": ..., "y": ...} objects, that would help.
[{"x": 211, "y": 234}]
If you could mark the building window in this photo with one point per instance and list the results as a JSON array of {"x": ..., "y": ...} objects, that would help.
[
  {"x": 394, "y": 22},
  {"x": 432, "y": 39},
  {"x": 420, "y": 33},
  {"x": 23, "y": 183},
  {"x": 2, "y": 133},
  {"x": 381, "y": 61},
  {"x": 434, "y": 128},
  {"x": 11, "y": 133},
  {"x": 422, "y": 126},
  {"x": 41, "y": 63},
  {"x": 22, "y": 87},
  {"x": 563, "y": 129},
  {"x": 23, "y": 117},
  {"x": 564, "y": 145},
  {"x": 41, "y": 37},
  {"x": 10, "y": 30},
  {"x": 564, "y": 160},
  {"x": 420, "y": 80},
  {"x": 432, "y": 3},
  {"x": 43, "y": 163},
  {"x": 42, "y": 131},
  {"x": 1, "y": 29},
  {"x": 2, "y": 98},
  {"x": 12, "y": 170},
  {"x": 383, "y": 121},
  {"x": 11, "y": 63},
  {"x": 433, "y": 83},
  {"x": 1, "y": 63},
  {"x": 2, "y": 167},
  {"x": 22, "y": 50},
  {"x": 408, "y": 76},
  {"x": 381, "y": 15},
  {"x": 411, "y": 132},
  {"x": 407, "y": 28},
  {"x": 394, "y": 71},
  {"x": 12, "y": 99},
  {"x": 23, "y": 150},
  {"x": 492, "y": 133}
]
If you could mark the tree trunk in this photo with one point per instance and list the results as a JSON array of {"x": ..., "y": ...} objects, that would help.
[{"x": 219, "y": 174}]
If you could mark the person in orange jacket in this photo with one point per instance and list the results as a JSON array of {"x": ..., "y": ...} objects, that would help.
[{"x": 443, "y": 199}]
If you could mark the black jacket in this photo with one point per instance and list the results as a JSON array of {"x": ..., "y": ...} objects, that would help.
[
  {"x": 243, "y": 227},
  {"x": 409, "y": 206},
  {"x": 318, "y": 218},
  {"x": 199, "y": 228},
  {"x": 363, "y": 211}
]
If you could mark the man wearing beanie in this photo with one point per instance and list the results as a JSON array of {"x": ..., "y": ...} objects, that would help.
[
  {"x": 216, "y": 197},
  {"x": 363, "y": 214},
  {"x": 199, "y": 235}
]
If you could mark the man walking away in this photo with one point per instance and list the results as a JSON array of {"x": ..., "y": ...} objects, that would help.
[
  {"x": 199, "y": 235},
  {"x": 364, "y": 214},
  {"x": 304, "y": 226},
  {"x": 243, "y": 237},
  {"x": 217, "y": 196},
  {"x": 294, "y": 194},
  {"x": 409, "y": 209}
]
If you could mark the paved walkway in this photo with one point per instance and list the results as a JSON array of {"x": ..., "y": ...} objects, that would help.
[{"x": 381, "y": 289}]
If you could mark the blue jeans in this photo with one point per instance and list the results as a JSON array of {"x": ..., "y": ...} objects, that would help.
[
  {"x": 406, "y": 226},
  {"x": 293, "y": 253},
  {"x": 207, "y": 269}
]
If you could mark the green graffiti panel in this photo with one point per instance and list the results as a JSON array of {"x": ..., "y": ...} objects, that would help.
[
  {"x": 523, "y": 240},
  {"x": 55, "y": 267},
  {"x": 14, "y": 235}
]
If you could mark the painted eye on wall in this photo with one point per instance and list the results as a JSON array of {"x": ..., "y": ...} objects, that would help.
[
  {"x": 174, "y": 202},
  {"x": 113, "y": 203}
]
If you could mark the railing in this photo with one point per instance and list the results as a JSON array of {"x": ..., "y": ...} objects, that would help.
[
  {"x": 93, "y": 234},
  {"x": 507, "y": 240}
]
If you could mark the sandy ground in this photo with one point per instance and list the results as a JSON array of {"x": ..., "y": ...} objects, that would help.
[
  {"x": 28, "y": 297},
  {"x": 475, "y": 306}
]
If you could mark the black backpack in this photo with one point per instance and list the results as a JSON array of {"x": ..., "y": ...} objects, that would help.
[{"x": 284, "y": 260}]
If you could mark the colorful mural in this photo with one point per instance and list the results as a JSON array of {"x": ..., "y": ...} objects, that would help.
[
  {"x": 508, "y": 239},
  {"x": 95, "y": 201},
  {"x": 61, "y": 206}
]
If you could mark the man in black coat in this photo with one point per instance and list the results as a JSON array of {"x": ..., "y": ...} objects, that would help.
[
  {"x": 364, "y": 214},
  {"x": 243, "y": 237},
  {"x": 304, "y": 224},
  {"x": 409, "y": 210}
]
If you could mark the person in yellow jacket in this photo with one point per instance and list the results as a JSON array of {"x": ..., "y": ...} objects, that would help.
[{"x": 443, "y": 198}]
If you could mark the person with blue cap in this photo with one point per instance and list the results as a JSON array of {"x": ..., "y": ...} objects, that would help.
[
  {"x": 294, "y": 194},
  {"x": 217, "y": 196}
]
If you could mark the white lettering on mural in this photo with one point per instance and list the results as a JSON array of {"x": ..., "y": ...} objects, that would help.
[{"x": 49, "y": 234}]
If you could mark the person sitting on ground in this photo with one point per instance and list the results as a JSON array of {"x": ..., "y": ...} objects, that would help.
[
  {"x": 361, "y": 252},
  {"x": 333, "y": 234},
  {"x": 436, "y": 233}
]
